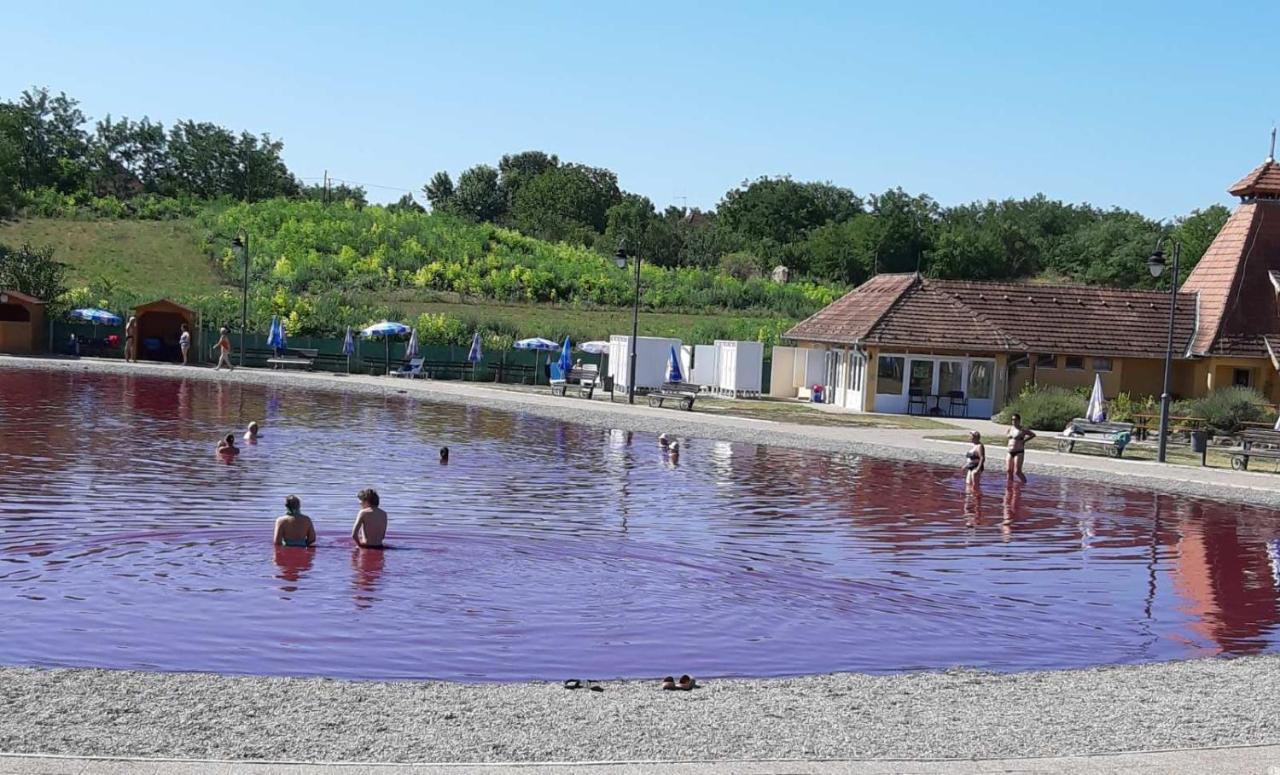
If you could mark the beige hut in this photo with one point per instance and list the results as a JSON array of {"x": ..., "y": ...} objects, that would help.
[
  {"x": 159, "y": 326},
  {"x": 21, "y": 323}
]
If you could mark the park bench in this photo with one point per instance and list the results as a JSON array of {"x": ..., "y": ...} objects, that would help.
[
  {"x": 585, "y": 377},
  {"x": 290, "y": 357},
  {"x": 1111, "y": 437},
  {"x": 1255, "y": 442},
  {"x": 682, "y": 393}
]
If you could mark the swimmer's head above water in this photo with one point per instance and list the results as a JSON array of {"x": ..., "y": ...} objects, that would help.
[{"x": 293, "y": 505}]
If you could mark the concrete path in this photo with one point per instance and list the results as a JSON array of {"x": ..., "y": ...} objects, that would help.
[{"x": 1261, "y": 760}]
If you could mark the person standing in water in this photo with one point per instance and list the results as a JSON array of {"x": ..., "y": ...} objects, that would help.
[
  {"x": 223, "y": 346},
  {"x": 370, "y": 527},
  {"x": 184, "y": 344},
  {"x": 251, "y": 433},
  {"x": 228, "y": 446},
  {"x": 1018, "y": 437},
  {"x": 976, "y": 460},
  {"x": 294, "y": 528}
]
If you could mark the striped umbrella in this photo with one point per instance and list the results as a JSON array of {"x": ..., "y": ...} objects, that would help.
[
  {"x": 348, "y": 348},
  {"x": 386, "y": 330},
  {"x": 536, "y": 343},
  {"x": 597, "y": 348},
  {"x": 474, "y": 354},
  {"x": 97, "y": 317}
]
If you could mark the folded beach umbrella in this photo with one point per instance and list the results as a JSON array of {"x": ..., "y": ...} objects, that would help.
[
  {"x": 386, "y": 330},
  {"x": 474, "y": 354},
  {"x": 1097, "y": 411},
  {"x": 348, "y": 348},
  {"x": 411, "y": 349},
  {"x": 673, "y": 367},
  {"x": 566, "y": 357},
  {"x": 275, "y": 336}
]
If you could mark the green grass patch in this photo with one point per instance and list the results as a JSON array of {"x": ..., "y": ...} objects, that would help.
[{"x": 802, "y": 413}]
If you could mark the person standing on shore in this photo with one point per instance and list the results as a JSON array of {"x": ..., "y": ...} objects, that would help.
[
  {"x": 223, "y": 346},
  {"x": 131, "y": 340},
  {"x": 184, "y": 344},
  {"x": 1018, "y": 437}
]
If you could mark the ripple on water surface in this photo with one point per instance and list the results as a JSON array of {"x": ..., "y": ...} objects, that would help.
[{"x": 545, "y": 550}]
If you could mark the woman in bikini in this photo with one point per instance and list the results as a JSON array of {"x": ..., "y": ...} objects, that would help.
[
  {"x": 1018, "y": 438},
  {"x": 975, "y": 461},
  {"x": 294, "y": 528}
]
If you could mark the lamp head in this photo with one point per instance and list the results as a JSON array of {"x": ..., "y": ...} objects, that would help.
[
  {"x": 1156, "y": 262},
  {"x": 620, "y": 257},
  {"x": 237, "y": 247}
]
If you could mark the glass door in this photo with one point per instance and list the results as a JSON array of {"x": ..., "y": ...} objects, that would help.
[{"x": 920, "y": 386}]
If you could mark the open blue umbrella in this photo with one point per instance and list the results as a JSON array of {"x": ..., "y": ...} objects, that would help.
[
  {"x": 566, "y": 358},
  {"x": 348, "y": 348},
  {"x": 386, "y": 330},
  {"x": 97, "y": 317},
  {"x": 536, "y": 343},
  {"x": 474, "y": 354},
  {"x": 673, "y": 367}
]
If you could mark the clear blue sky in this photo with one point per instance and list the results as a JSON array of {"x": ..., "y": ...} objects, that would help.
[{"x": 1152, "y": 106}]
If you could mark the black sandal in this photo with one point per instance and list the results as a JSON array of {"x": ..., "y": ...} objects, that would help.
[{"x": 573, "y": 683}]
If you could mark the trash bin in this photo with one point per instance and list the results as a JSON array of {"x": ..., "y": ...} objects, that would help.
[{"x": 1199, "y": 442}]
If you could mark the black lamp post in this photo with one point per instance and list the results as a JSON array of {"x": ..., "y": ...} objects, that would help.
[
  {"x": 620, "y": 258},
  {"x": 1156, "y": 265},
  {"x": 240, "y": 247}
]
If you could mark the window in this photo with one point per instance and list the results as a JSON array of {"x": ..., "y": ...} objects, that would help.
[
  {"x": 1046, "y": 361},
  {"x": 980, "y": 378},
  {"x": 1241, "y": 377},
  {"x": 889, "y": 375},
  {"x": 950, "y": 377},
  {"x": 14, "y": 313},
  {"x": 1074, "y": 363},
  {"x": 922, "y": 377},
  {"x": 1102, "y": 364}
]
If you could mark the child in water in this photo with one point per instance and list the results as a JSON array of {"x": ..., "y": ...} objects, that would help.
[
  {"x": 228, "y": 446},
  {"x": 370, "y": 527},
  {"x": 251, "y": 433}
]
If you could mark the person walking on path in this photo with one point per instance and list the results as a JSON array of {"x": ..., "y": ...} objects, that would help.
[
  {"x": 223, "y": 346},
  {"x": 184, "y": 343},
  {"x": 1018, "y": 437},
  {"x": 131, "y": 340}
]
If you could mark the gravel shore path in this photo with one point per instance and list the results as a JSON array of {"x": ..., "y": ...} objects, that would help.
[{"x": 957, "y": 714}]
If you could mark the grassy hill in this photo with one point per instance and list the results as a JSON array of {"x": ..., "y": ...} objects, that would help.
[{"x": 117, "y": 263}]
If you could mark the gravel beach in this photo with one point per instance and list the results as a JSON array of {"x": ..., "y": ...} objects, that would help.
[{"x": 954, "y": 714}]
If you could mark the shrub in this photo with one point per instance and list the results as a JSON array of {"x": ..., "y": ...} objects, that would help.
[
  {"x": 1045, "y": 408},
  {"x": 1226, "y": 409},
  {"x": 1123, "y": 407}
]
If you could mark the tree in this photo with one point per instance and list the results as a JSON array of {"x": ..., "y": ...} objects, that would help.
[
  {"x": 635, "y": 222},
  {"x": 52, "y": 144},
  {"x": 338, "y": 192},
  {"x": 902, "y": 231},
  {"x": 10, "y": 164},
  {"x": 478, "y": 196},
  {"x": 570, "y": 203},
  {"x": 439, "y": 191},
  {"x": 1112, "y": 250},
  {"x": 32, "y": 271},
  {"x": 127, "y": 158},
  {"x": 782, "y": 210},
  {"x": 515, "y": 170},
  {"x": 407, "y": 204}
]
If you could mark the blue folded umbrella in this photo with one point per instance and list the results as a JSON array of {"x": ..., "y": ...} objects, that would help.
[
  {"x": 673, "y": 367},
  {"x": 275, "y": 336},
  {"x": 566, "y": 357},
  {"x": 475, "y": 354}
]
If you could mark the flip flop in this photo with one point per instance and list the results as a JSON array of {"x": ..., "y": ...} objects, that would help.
[
  {"x": 686, "y": 683},
  {"x": 668, "y": 684},
  {"x": 573, "y": 683},
  {"x": 594, "y": 686}
]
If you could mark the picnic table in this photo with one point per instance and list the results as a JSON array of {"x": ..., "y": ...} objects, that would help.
[{"x": 1181, "y": 426}]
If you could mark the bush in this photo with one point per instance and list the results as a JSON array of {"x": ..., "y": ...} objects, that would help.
[
  {"x": 1123, "y": 407},
  {"x": 1045, "y": 408},
  {"x": 1226, "y": 410}
]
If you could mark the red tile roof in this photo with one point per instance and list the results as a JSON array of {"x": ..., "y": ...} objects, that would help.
[
  {"x": 1237, "y": 297},
  {"x": 1263, "y": 182},
  {"x": 1003, "y": 317}
]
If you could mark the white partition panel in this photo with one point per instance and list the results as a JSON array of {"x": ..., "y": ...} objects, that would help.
[
  {"x": 740, "y": 366},
  {"x": 652, "y": 354}
]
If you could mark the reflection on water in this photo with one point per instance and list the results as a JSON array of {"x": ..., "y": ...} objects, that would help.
[{"x": 545, "y": 550}]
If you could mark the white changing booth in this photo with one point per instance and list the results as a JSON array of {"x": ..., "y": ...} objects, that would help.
[
  {"x": 704, "y": 370},
  {"x": 652, "y": 353},
  {"x": 739, "y": 368}
]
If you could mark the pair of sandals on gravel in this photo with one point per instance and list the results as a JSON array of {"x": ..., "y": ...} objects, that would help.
[{"x": 684, "y": 684}]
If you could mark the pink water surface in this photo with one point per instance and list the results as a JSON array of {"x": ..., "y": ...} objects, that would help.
[{"x": 545, "y": 550}]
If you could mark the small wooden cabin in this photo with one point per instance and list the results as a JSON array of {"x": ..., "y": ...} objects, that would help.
[{"x": 22, "y": 323}]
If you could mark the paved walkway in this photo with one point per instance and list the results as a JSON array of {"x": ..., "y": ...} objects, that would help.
[{"x": 1261, "y": 760}]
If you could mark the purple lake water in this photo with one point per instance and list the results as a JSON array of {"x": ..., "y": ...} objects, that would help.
[{"x": 546, "y": 551}]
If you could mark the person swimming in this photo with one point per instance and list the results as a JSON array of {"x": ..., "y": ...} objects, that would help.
[
  {"x": 370, "y": 527},
  {"x": 294, "y": 528},
  {"x": 228, "y": 446},
  {"x": 444, "y": 455},
  {"x": 251, "y": 433}
]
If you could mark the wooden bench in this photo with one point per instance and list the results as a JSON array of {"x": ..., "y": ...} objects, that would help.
[
  {"x": 294, "y": 356},
  {"x": 585, "y": 378},
  {"x": 684, "y": 393},
  {"x": 1112, "y": 437},
  {"x": 1255, "y": 442}
]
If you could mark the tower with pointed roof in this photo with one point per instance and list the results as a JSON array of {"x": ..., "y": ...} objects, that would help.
[{"x": 1238, "y": 282}]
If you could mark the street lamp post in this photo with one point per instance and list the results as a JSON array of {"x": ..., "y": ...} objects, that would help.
[
  {"x": 620, "y": 258},
  {"x": 1156, "y": 265},
  {"x": 240, "y": 247}
]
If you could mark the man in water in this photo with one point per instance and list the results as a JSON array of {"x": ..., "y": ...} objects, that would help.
[
  {"x": 228, "y": 446},
  {"x": 371, "y": 523},
  {"x": 251, "y": 433},
  {"x": 294, "y": 528}
]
